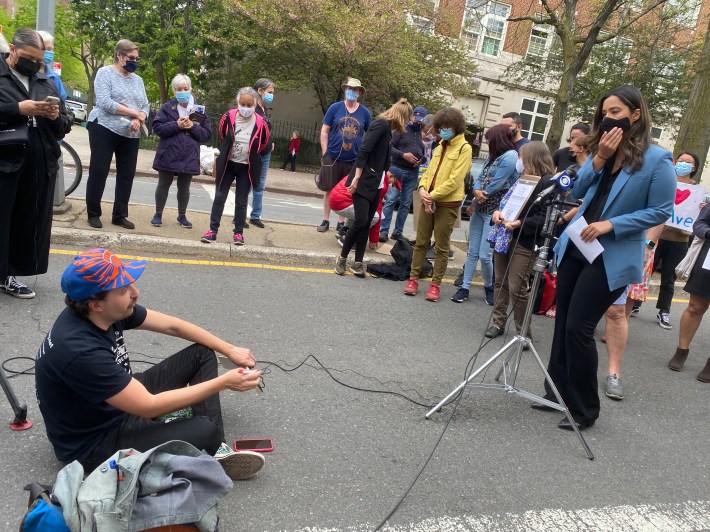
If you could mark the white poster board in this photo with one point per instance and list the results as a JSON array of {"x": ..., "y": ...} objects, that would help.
[
  {"x": 522, "y": 190},
  {"x": 686, "y": 206}
]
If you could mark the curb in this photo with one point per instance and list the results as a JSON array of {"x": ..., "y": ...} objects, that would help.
[{"x": 122, "y": 242}]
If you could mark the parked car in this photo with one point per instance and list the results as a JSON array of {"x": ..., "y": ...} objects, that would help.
[
  {"x": 476, "y": 167},
  {"x": 78, "y": 109}
]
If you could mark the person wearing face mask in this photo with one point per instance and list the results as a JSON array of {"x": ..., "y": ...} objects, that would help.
[
  {"x": 441, "y": 192},
  {"x": 341, "y": 134},
  {"x": 628, "y": 186},
  {"x": 564, "y": 157},
  {"x": 497, "y": 176},
  {"x": 245, "y": 138},
  {"x": 265, "y": 89},
  {"x": 181, "y": 130},
  {"x": 30, "y": 128},
  {"x": 114, "y": 127},
  {"x": 514, "y": 121},
  {"x": 407, "y": 153},
  {"x": 47, "y": 63}
]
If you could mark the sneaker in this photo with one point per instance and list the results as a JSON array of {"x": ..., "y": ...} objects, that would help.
[
  {"x": 184, "y": 222},
  {"x": 339, "y": 226},
  {"x": 246, "y": 224},
  {"x": 489, "y": 294},
  {"x": 357, "y": 269},
  {"x": 256, "y": 222},
  {"x": 614, "y": 388},
  {"x": 340, "y": 265},
  {"x": 460, "y": 296},
  {"x": 384, "y": 237},
  {"x": 397, "y": 236},
  {"x": 433, "y": 293},
  {"x": 459, "y": 279},
  {"x": 239, "y": 465},
  {"x": 209, "y": 237},
  {"x": 238, "y": 239},
  {"x": 341, "y": 241},
  {"x": 324, "y": 226},
  {"x": 17, "y": 289},
  {"x": 411, "y": 288},
  {"x": 664, "y": 319},
  {"x": 157, "y": 220},
  {"x": 635, "y": 310}
]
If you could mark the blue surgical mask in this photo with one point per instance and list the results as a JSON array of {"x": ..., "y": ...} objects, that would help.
[
  {"x": 268, "y": 97},
  {"x": 446, "y": 133},
  {"x": 351, "y": 95},
  {"x": 48, "y": 58},
  {"x": 183, "y": 96},
  {"x": 683, "y": 169},
  {"x": 246, "y": 112}
]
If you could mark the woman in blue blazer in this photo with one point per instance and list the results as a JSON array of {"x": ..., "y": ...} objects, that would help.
[{"x": 627, "y": 187}]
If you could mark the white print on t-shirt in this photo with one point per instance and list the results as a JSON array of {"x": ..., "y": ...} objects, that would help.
[{"x": 121, "y": 353}]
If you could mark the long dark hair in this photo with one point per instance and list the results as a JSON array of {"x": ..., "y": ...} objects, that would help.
[
  {"x": 500, "y": 140},
  {"x": 638, "y": 138}
]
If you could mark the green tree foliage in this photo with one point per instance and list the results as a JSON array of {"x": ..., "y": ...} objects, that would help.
[
  {"x": 317, "y": 43},
  {"x": 578, "y": 29}
]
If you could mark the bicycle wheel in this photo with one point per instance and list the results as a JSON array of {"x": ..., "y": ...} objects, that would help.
[{"x": 71, "y": 167}]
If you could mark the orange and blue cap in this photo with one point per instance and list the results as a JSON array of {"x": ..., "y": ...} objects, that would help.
[{"x": 98, "y": 270}]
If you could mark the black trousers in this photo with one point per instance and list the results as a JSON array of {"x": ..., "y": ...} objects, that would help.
[
  {"x": 669, "y": 254},
  {"x": 357, "y": 235},
  {"x": 290, "y": 159},
  {"x": 237, "y": 173},
  {"x": 583, "y": 296},
  {"x": 165, "y": 180},
  {"x": 205, "y": 430},
  {"x": 104, "y": 144}
]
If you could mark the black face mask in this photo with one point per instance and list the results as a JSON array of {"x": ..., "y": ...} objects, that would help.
[
  {"x": 609, "y": 123},
  {"x": 26, "y": 67},
  {"x": 130, "y": 66}
]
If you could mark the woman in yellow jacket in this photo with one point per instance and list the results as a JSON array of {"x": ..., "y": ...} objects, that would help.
[{"x": 441, "y": 191}]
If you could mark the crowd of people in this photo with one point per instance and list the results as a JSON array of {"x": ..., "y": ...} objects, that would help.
[{"x": 624, "y": 193}]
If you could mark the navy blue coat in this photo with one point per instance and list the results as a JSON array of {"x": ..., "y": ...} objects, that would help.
[{"x": 178, "y": 149}]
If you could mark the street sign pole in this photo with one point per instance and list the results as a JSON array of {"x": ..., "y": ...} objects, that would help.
[{"x": 45, "y": 15}]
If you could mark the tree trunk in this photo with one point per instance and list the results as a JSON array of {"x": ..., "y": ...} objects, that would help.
[
  {"x": 564, "y": 93},
  {"x": 694, "y": 134},
  {"x": 160, "y": 74}
]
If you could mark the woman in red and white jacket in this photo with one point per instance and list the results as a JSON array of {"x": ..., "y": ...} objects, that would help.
[
  {"x": 341, "y": 202},
  {"x": 294, "y": 146},
  {"x": 245, "y": 137}
]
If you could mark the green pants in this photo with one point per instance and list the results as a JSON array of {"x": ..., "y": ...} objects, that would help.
[{"x": 441, "y": 224}]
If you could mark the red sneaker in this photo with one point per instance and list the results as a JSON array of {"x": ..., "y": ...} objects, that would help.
[
  {"x": 412, "y": 287},
  {"x": 433, "y": 293}
]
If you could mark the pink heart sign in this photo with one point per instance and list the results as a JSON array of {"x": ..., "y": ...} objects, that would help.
[{"x": 681, "y": 196}]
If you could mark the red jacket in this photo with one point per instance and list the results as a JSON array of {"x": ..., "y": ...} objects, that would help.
[
  {"x": 340, "y": 199},
  {"x": 295, "y": 144}
]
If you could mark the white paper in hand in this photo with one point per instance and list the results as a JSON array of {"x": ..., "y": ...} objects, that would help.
[{"x": 590, "y": 250}]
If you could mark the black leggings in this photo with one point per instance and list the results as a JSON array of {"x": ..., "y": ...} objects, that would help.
[
  {"x": 165, "y": 180},
  {"x": 205, "y": 430},
  {"x": 104, "y": 143},
  {"x": 357, "y": 235},
  {"x": 583, "y": 296},
  {"x": 669, "y": 254},
  {"x": 238, "y": 173}
]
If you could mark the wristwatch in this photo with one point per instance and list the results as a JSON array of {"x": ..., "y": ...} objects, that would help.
[{"x": 651, "y": 244}]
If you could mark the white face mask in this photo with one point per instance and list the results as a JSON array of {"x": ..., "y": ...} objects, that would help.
[
  {"x": 519, "y": 166},
  {"x": 246, "y": 112}
]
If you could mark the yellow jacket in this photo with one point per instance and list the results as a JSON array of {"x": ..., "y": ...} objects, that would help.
[{"x": 454, "y": 167}]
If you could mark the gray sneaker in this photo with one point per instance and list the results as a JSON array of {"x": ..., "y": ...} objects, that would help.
[
  {"x": 357, "y": 269},
  {"x": 614, "y": 389},
  {"x": 340, "y": 265}
]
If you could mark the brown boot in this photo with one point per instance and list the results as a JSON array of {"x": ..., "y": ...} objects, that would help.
[
  {"x": 704, "y": 375},
  {"x": 676, "y": 363}
]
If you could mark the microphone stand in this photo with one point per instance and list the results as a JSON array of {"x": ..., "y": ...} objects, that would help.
[
  {"x": 514, "y": 348},
  {"x": 20, "y": 422}
]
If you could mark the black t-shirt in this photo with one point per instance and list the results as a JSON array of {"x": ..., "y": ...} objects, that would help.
[
  {"x": 594, "y": 212},
  {"x": 78, "y": 367},
  {"x": 563, "y": 159}
]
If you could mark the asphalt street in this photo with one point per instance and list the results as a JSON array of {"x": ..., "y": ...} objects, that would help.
[{"x": 344, "y": 457}]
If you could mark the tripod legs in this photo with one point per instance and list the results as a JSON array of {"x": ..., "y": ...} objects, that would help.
[{"x": 20, "y": 422}]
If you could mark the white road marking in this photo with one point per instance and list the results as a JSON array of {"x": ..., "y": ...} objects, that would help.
[
  {"x": 229, "y": 204},
  {"x": 663, "y": 517}
]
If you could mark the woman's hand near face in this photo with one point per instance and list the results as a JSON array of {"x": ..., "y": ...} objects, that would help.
[{"x": 609, "y": 143}]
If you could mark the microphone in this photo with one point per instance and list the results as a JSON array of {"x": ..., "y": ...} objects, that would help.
[{"x": 562, "y": 182}]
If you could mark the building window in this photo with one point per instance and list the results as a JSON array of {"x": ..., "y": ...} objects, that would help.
[
  {"x": 484, "y": 25},
  {"x": 540, "y": 41},
  {"x": 422, "y": 24},
  {"x": 656, "y": 133},
  {"x": 534, "y": 115},
  {"x": 684, "y": 12}
]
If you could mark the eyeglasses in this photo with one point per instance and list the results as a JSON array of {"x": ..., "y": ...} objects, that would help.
[{"x": 132, "y": 58}]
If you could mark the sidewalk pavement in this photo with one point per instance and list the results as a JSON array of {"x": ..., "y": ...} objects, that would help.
[{"x": 280, "y": 242}]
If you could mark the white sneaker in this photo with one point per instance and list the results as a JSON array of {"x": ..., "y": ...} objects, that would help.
[{"x": 241, "y": 465}]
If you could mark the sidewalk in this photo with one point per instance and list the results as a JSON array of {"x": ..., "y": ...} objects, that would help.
[{"x": 280, "y": 242}]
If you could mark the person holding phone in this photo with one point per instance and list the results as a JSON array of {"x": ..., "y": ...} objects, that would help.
[
  {"x": 114, "y": 127},
  {"x": 628, "y": 186},
  {"x": 30, "y": 127},
  {"x": 92, "y": 402},
  {"x": 178, "y": 155}
]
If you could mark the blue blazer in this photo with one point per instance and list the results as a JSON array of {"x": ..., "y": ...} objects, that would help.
[{"x": 637, "y": 200}]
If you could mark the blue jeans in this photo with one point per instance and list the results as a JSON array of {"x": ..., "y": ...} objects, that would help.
[
  {"x": 479, "y": 249},
  {"x": 408, "y": 178},
  {"x": 258, "y": 191}
]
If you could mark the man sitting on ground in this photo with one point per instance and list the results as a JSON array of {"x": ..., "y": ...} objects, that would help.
[{"x": 93, "y": 404}]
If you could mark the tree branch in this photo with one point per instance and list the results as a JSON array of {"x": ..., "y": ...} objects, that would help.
[{"x": 537, "y": 19}]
